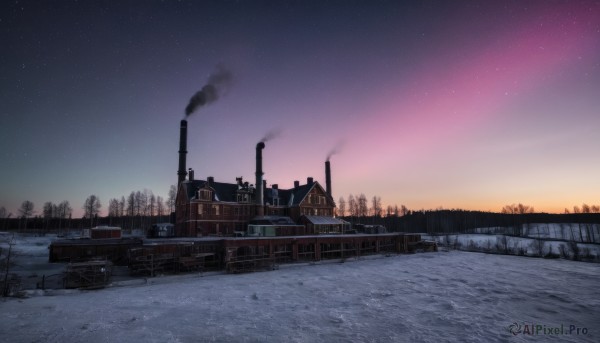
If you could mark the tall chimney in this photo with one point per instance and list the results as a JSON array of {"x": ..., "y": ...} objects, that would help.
[
  {"x": 328, "y": 178},
  {"x": 181, "y": 173},
  {"x": 259, "y": 178}
]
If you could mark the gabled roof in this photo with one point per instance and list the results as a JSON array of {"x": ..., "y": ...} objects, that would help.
[
  {"x": 223, "y": 191},
  {"x": 293, "y": 196},
  {"x": 228, "y": 192}
]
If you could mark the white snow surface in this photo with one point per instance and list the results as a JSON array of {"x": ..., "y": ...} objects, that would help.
[{"x": 427, "y": 297}]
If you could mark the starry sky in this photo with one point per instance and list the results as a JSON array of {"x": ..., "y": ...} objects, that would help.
[{"x": 453, "y": 104}]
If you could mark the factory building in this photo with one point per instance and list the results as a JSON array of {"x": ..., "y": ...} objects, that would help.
[{"x": 211, "y": 208}]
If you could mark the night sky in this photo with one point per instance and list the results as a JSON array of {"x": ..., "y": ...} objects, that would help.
[{"x": 454, "y": 104}]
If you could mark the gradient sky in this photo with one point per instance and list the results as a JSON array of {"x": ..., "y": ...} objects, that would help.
[{"x": 454, "y": 104}]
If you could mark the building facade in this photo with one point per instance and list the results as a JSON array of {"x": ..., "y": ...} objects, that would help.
[{"x": 210, "y": 208}]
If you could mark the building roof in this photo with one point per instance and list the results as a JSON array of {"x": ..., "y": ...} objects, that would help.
[
  {"x": 223, "y": 191},
  {"x": 323, "y": 220},
  {"x": 272, "y": 220},
  {"x": 227, "y": 192}
]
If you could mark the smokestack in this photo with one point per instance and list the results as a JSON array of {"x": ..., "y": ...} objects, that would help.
[
  {"x": 181, "y": 173},
  {"x": 259, "y": 178},
  {"x": 328, "y": 178},
  {"x": 191, "y": 174}
]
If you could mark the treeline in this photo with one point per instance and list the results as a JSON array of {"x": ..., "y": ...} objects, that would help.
[
  {"x": 462, "y": 221},
  {"x": 357, "y": 209},
  {"x": 139, "y": 210}
]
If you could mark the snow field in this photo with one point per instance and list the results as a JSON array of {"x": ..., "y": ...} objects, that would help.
[{"x": 429, "y": 297}]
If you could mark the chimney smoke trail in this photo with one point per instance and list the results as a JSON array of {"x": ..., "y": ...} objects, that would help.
[
  {"x": 271, "y": 134},
  {"x": 218, "y": 83},
  {"x": 337, "y": 148}
]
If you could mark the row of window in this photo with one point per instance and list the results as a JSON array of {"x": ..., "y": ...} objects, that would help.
[
  {"x": 316, "y": 211},
  {"x": 224, "y": 210}
]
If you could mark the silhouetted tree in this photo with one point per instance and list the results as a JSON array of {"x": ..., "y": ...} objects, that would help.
[
  {"x": 517, "y": 209},
  {"x": 26, "y": 211},
  {"x": 171, "y": 198},
  {"x": 160, "y": 206},
  {"x": 376, "y": 206},
  {"x": 91, "y": 208},
  {"x": 363, "y": 208},
  {"x": 352, "y": 206},
  {"x": 48, "y": 210},
  {"x": 341, "y": 207},
  {"x": 63, "y": 211}
]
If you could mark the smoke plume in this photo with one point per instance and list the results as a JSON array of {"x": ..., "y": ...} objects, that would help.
[
  {"x": 271, "y": 134},
  {"x": 217, "y": 83},
  {"x": 337, "y": 148}
]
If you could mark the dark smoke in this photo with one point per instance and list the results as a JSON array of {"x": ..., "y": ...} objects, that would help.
[
  {"x": 337, "y": 148},
  {"x": 271, "y": 134},
  {"x": 218, "y": 82}
]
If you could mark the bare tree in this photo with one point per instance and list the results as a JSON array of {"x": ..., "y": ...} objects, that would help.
[
  {"x": 152, "y": 204},
  {"x": 131, "y": 204},
  {"x": 585, "y": 208},
  {"x": 352, "y": 206},
  {"x": 171, "y": 198},
  {"x": 376, "y": 208},
  {"x": 341, "y": 207},
  {"x": 517, "y": 209},
  {"x": 160, "y": 206},
  {"x": 26, "y": 211},
  {"x": 113, "y": 208},
  {"x": 48, "y": 210},
  {"x": 63, "y": 211},
  {"x": 122, "y": 206},
  {"x": 363, "y": 208},
  {"x": 92, "y": 207}
]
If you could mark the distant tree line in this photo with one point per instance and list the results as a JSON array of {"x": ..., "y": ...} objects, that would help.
[
  {"x": 139, "y": 209},
  {"x": 356, "y": 210}
]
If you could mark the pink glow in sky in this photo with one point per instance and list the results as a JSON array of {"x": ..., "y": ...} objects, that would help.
[{"x": 435, "y": 113}]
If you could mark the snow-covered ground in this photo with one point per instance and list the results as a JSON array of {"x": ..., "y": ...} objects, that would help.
[
  {"x": 427, "y": 297},
  {"x": 577, "y": 232},
  {"x": 569, "y": 241}
]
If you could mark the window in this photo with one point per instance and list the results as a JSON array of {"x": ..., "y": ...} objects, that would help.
[
  {"x": 216, "y": 210},
  {"x": 200, "y": 209},
  {"x": 226, "y": 210},
  {"x": 205, "y": 194}
]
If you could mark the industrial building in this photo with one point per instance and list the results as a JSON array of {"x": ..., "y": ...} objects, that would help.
[
  {"x": 211, "y": 208},
  {"x": 277, "y": 225}
]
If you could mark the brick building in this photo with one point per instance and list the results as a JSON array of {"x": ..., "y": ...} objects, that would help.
[{"x": 207, "y": 207}]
